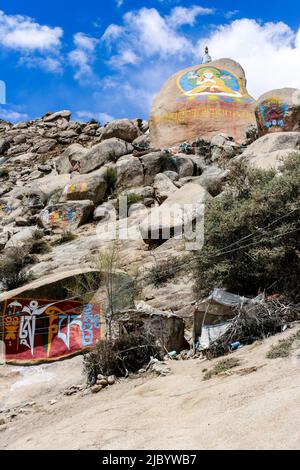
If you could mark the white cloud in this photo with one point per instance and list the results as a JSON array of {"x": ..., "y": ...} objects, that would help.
[
  {"x": 269, "y": 52},
  {"x": 180, "y": 15},
  {"x": 48, "y": 64},
  {"x": 83, "y": 41},
  {"x": 24, "y": 34},
  {"x": 119, "y": 3},
  {"x": 153, "y": 33},
  {"x": 12, "y": 116},
  {"x": 38, "y": 45},
  {"x": 82, "y": 57},
  {"x": 112, "y": 32},
  {"x": 126, "y": 57},
  {"x": 103, "y": 118},
  {"x": 146, "y": 33},
  {"x": 231, "y": 14}
]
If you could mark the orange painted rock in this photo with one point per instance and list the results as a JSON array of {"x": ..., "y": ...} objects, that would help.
[
  {"x": 278, "y": 111},
  {"x": 202, "y": 101}
]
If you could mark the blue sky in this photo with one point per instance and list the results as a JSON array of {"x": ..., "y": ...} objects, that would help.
[{"x": 108, "y": 58}]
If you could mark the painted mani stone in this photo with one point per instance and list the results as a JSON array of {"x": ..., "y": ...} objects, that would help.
[
  {"x": 71, "y": 213},
  {"x": 212, "y": 84},
  {"x": 273, "y": 112},
  {"x": 202, "y": 101},
  {"x": 278, "y": 111},
  {"x": 44, "y": 330}
]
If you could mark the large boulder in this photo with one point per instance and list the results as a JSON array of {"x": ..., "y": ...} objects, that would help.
[
  {"x": 153, "y": 163},
  {"x": 50, "y": 117},
  {"x": 43, "y": 188},
  {"x": 278, "y": 111},
  {"x": 181, "y": 163},
  {"x": 163, "y": 187},
  {"x": 130, "y": 172},
  {"x": 202, "y": 101},
  {"x": 271, "y": 150},
  {"x": 170, "y": 219},
  {"x": 122, "y": 129},
  {"x": 82, "y": 187},
  {"x": 66, "y": 216},
  {"x": 64, "y": 163},
  {"x": 106, "y": 151}
]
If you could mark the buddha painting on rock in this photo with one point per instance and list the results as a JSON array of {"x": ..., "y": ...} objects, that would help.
[{"x": 210, "y": 81}]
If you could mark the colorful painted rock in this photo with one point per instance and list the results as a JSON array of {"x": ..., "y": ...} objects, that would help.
[
  {"x": 82, "y": 187},
  {"x": 68, "y": 215},
  {"x": 202, "y": 101},
  {"x": 278, "y": 111},
  {"x": 37, "y": 331}
]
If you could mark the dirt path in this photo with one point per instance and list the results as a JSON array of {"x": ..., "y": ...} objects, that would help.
[{"x": 257, "y": 410}]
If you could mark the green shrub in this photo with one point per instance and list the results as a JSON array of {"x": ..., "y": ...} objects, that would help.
[
  {"x": 283, "y": 348},
  {"x": 66, "y": 236},
  {"x": 164, "y": 271},
  {"x": 4, "y": 173},
  {"x": 39, "y": 247},
  {"x": 37, "y": 235},
  {"x": 111, "y": 177},
  {"x": 252, "y": 238},
  {"x": 132, "y": 198},
  {"x": 13, "y": 265},
  {"x": 220, "y": 367}
]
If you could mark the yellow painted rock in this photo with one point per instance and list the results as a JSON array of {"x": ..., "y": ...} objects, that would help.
[{"x": 202, "y": 101}]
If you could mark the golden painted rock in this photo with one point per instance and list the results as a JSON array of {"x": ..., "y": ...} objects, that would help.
[
  {"x": 202, "y": 101},
  {"x": 278, "y": 111}
]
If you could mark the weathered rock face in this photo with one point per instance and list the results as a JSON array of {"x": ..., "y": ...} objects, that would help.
[
  {"x": 163, "y": 187},
  {"x": 202, "y": 101},
  {"x": 122, "y": 129},
  {"x": 109, "y": 150},
  {"x": 68, "y": 215},
  {"x": 130, "y": 172},
  {"x": 181, "y": 207},
  {"x": 278, "y": 111},
  {"x": 70, "y": 157},
  {"x": 271, "y": 150},
  {"x": 92, "y": 187}
]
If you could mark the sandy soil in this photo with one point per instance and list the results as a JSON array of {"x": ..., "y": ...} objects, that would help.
[{"x": 255, "y": 406}]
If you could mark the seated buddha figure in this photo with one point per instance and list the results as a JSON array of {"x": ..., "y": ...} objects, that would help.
[{"x": 209, "y": 81}]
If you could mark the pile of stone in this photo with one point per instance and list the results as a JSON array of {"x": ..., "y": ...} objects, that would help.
[{"x": 103, "y": 382}]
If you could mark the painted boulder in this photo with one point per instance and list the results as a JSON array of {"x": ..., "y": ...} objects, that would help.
[
  {"x": 67, "y": 216},
  {"x": 85, "y": 187},
  {"x": 202, "y": 101},
  {"x": 278, "y": 111}
]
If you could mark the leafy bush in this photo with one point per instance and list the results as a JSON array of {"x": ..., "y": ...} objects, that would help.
[
  {"x": 111, "y": 177},
  {"x": 252, "y": 233},
  {"x": 13, "y": 265},
  {"x": 4, "y": 173},
  {"x": 118, "y": 357},
  {"x": 164, "y": 271},
  {"x": 66, "y": 236},
  {"x": 39, "y": 247},
  {"x": 132, "y": 198},
  {"x": 37, "y": 235}
]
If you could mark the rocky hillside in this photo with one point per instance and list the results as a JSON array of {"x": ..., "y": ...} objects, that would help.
[{"x": 60, "y": 176}]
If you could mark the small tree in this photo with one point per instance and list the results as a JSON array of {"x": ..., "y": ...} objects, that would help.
[{"x": 120, "y": 288}]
